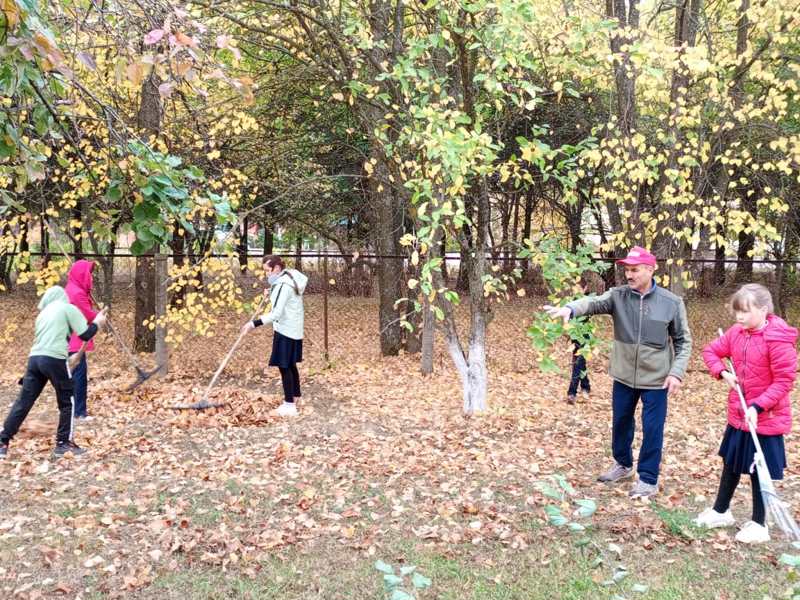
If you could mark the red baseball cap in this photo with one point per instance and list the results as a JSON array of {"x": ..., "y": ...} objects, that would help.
[{"x": 638, "y": 256}]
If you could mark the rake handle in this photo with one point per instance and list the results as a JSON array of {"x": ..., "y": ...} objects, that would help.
[
  {"x": 228, "y": 357},
  {"x": 742, "y": 400}
]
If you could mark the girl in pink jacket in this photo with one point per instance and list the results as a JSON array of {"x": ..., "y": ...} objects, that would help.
[
  {"x": 762, "y": 348},
  {"x": 79, "y": 289}
]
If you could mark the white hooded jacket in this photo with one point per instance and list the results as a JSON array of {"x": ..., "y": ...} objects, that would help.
[{"x": 286, "y": 298}]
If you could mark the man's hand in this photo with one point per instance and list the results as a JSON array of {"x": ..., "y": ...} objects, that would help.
[
  {"x": 554, "y": 311},
  {"x": 100, "y": 318},
  {"x": 249, "y": 326},
  {"x": 672, "y": 384},
  {"x": 730, "y": 379},
  {"x": 751, "y": 416}
]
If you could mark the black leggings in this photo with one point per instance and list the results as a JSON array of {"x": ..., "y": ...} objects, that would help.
[
  {"x": 291, "y": 383},
  {"x": 727, "y": 485}
]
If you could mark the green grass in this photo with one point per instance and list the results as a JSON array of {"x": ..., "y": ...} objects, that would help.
[
  {"x": 679, "y": 523},
  {"x": 551, "y": 570}
]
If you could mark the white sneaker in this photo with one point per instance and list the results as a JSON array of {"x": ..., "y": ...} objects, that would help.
[
  {"x": 753, "y": 533},
  {"x": 287, "y": 409},
  {"x": 86, "y": 419},
  {"x": 712, "y": 519}
]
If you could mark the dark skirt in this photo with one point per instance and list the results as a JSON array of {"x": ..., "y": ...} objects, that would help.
[
  {"x": 737, "y": 450},
  {"x": 285, "y": 351}
]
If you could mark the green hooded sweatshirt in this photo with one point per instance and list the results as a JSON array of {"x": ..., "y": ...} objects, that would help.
[{"x": 56, "y": 321}]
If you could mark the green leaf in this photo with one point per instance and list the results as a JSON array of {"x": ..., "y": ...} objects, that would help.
[
  {"x": 420, "y": 582},
  {"x": 793, "y": 560},
  {"x": 383, "y": 567},
  {"x": 554, "y": 516},
  {"x": 391, "y": 580},
  {"x": 401, "y": 595},
  {"x": 587, "y": 508},
  {"x": 138, "y": 247}
]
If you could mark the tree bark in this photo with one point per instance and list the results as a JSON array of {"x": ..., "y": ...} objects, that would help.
[
  {"x": 148, "y": 119},
  {"x": 178, "y": 246},
  {"x": 269, "y": 240}
]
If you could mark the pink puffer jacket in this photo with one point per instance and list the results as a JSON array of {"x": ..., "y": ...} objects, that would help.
[
  {"x": 766, "y": 364},
  {"x": 79, "y": 287}
]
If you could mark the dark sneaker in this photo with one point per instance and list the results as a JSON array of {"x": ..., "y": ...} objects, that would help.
[
  {"x": 3, "y": 450},
  {"x": 63, "y": 448},
  {"x": 571, "y": 399},
  {"x": 616, "y": 473},
  {"x": 643, "y": 490}
]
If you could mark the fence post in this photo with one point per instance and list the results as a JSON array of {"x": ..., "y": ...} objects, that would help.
[
  {"x": 162, "y": 351},
  {"x": 325, "y": 303}
]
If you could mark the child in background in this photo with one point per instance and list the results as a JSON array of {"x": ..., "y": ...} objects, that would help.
[
  {"x": 762, "y": 348},
  {"x": 591, "y": 283}
]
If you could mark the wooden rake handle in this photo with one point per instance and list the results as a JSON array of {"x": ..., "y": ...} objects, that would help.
[{"x": 228, "y": 356}]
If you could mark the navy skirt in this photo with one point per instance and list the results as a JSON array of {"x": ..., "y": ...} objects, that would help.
[
  {"x": 285, "y": 351},
  {"x": 737, "y": 450}
]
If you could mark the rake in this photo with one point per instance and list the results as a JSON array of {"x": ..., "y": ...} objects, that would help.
[
  {"x": 204, "y": 404},
  {"x": 776, "y": 508},
  {"x": 141, "y": 374}
]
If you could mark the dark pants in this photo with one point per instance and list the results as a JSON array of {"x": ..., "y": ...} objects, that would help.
[
  {"x": 579, "y": 374},
  {"x": 654, "y": 415},
  {"x": 80, "y": 379},
  {"x": 727, "y": 485},
  {"x": 291, "y": 383},
  {"x": 42, "y": 369}
]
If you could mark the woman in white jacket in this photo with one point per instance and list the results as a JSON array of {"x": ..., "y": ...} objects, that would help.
[{"x": 286, "y": 315}]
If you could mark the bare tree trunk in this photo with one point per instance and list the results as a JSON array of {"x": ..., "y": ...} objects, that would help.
[
  {"x": 178, "y": 246},
  {"x": 428, "y": 336},
  {"x": 298, "y": 253},
  {"x": 149, "y": 119},
  {"x": 44, "y": 235},
  {"x": 77, "y": 217},
  {"x": 269, "y": 239},
  {"x": 162, "y": 350},
  {"x": 390, "y": 270}
]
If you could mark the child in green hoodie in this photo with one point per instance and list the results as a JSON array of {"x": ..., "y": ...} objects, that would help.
[{"x": 47, "y": 361}]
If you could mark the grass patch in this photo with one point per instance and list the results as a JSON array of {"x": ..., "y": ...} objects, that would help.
[{"x": 679, "y": 523}]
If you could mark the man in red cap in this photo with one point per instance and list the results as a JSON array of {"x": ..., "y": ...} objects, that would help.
[{"x": 652, "y": 345}]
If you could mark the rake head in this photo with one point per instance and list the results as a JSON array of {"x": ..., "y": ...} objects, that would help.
[
  {"x": 203, "y": 404},
  {"x": 782, "y": 515},
  {"x": 142, "y": 376}
]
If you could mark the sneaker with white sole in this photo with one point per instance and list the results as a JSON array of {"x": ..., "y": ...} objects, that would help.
[
  {"x": 642, "y": 489},
  {"x": 3, "y": 450},
  {"x": 753, "y": 533},
  {"x": 616, "y": 473},
  {"x": 287, "y": 409},
  {"x": 711, "y": 519}
]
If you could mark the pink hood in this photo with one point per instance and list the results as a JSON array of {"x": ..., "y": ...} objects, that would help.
[
  {"x": 766, "y": 365},
  {"x": 79, "y": 288}
]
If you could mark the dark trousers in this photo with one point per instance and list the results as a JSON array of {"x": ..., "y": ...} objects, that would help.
[
  {"x": 290, "y": 377},
  {"x": 579, "y": 374},
  {"x": 42, "y": 369},
  {"x": 727, "y": 486},
  {"x": 80, "y": 379},
  {"x": 654, "y": 414}
]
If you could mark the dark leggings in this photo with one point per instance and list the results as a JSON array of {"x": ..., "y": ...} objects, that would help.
[
  {"x": 291, "y": 382},
  {"x": 727, "y": 485}
]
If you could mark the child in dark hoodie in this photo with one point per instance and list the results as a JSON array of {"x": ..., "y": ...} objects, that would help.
[
  {"x": 47, "y": 361},
  {"x": 79, "y": 290}
]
